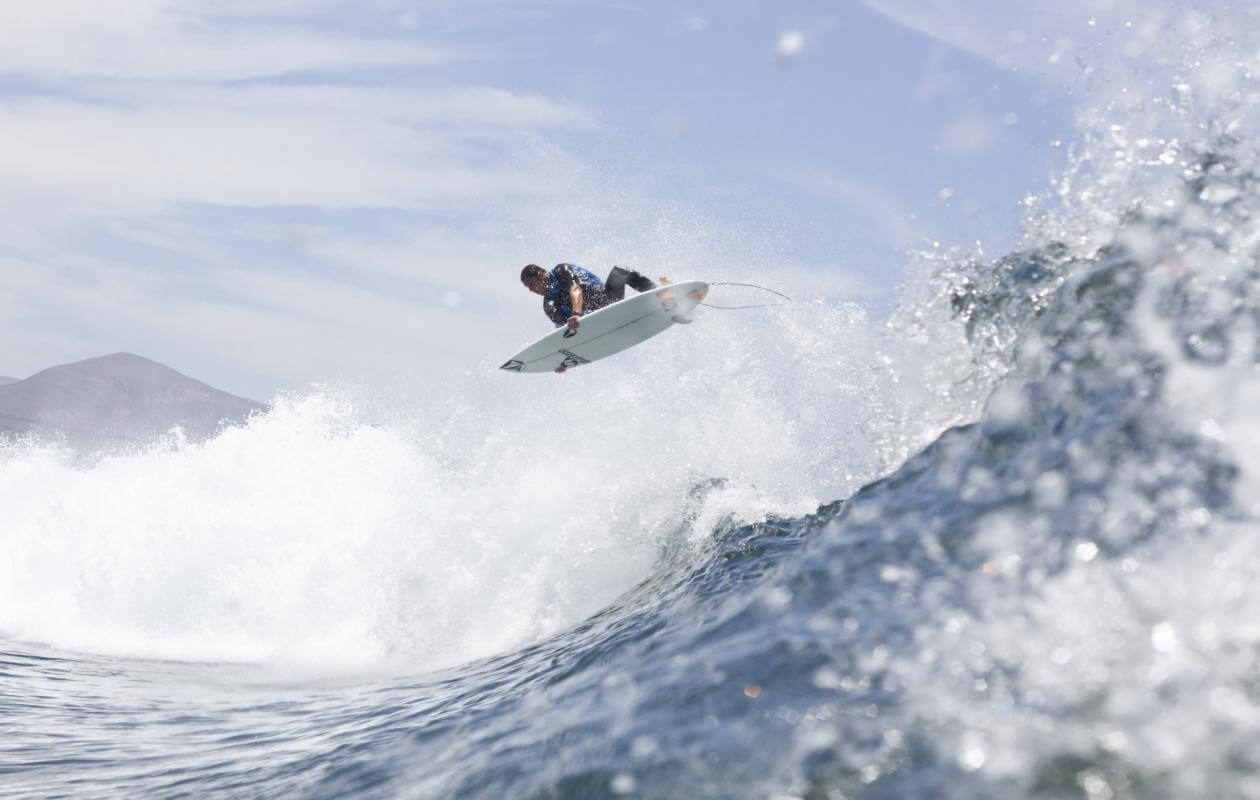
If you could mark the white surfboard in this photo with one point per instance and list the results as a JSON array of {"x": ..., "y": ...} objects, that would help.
[{"x": 611, "y": 329}]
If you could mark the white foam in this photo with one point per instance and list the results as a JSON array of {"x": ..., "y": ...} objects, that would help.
[{"x": 470, "y": 519}]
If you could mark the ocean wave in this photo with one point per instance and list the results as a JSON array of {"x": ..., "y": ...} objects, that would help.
[{"x": 999, "y": 545}]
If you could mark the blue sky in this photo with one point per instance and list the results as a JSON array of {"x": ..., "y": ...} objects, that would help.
[{"x": 265, "y": 194}]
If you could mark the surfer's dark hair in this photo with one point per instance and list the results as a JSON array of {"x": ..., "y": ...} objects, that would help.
[{"x": 532, "y": 271}]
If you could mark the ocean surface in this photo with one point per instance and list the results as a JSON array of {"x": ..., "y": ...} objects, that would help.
[{"x": 999, "y": 543}]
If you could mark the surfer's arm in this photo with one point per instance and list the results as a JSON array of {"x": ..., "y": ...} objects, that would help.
[{"x": 576, "y": 299}]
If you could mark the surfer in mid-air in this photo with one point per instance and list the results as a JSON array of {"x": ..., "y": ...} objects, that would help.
[{"x": 569, "y": 291}]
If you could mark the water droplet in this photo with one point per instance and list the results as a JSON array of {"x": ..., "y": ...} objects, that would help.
[
  {"x": 1095, "y": 787},
  {"x": 972, "y": 758},
  {"x": 1219, "y": 194},
  {"x": 777, "y": 598},
  {"x": 1164, "y": 637},
  {"x": 825, "y": 678},
  {"x": 622, "y": 783},
  {"x": 791, "y": 43}
]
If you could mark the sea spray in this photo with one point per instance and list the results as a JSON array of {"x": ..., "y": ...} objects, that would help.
[{"x": 354, "y": 529}]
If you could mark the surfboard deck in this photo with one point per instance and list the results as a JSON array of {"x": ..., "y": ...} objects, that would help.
[{"x": 611, "y": 329}]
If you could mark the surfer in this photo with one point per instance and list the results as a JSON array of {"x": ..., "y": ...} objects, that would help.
[{"x": 569, "y": 291}]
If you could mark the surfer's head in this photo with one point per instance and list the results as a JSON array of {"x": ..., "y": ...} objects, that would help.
[{"x": 535, "y": 278}]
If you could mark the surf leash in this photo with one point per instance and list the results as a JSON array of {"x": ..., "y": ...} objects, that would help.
[{"x": 750, "y": 286}]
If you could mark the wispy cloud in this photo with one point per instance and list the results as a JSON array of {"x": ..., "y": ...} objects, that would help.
[
  {"x": 267, "y": 145},
  {"x": 157, "y": 39}
]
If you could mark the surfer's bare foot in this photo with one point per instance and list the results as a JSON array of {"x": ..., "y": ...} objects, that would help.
[{"x": 664, "y": 281}]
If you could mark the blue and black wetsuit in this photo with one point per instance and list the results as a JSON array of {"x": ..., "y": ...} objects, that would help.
[
  {"x": 595, "y": 293},
  {"x": 556, "y": 300}
]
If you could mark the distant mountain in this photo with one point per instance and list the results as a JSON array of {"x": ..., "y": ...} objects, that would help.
[
  {"x": 116, "y": 399},
  {"x": 4, "y": 380}
]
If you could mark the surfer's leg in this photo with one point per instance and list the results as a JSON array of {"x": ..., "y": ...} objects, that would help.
[
  {"x": 615, "y": 286},
  {"x": 640, "y": 283}
]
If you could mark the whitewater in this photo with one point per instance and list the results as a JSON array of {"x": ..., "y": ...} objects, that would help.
[{"x": 997, "y": 543}]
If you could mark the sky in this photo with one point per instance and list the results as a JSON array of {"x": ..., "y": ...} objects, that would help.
[{"x": 271, "y": 193}]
